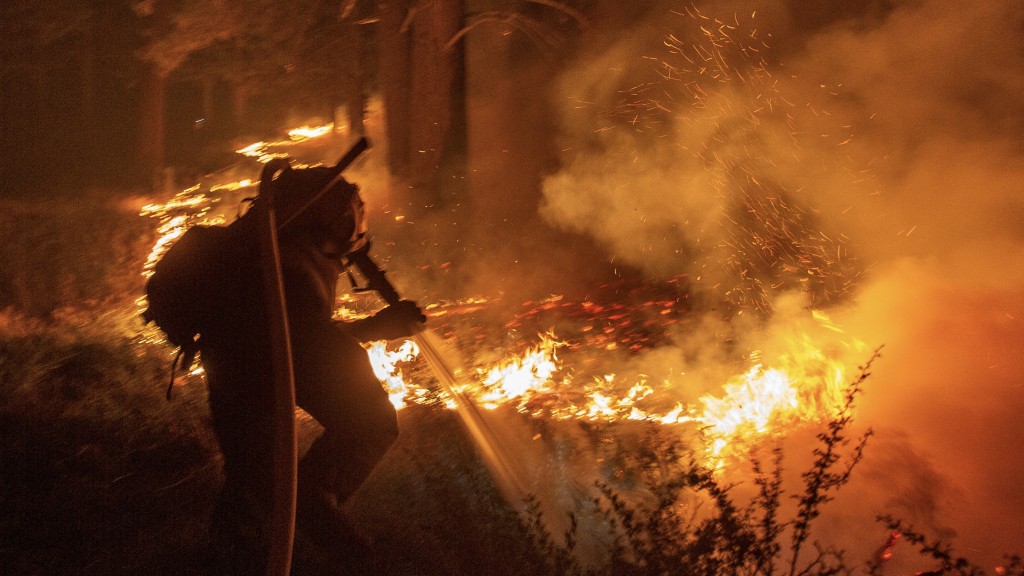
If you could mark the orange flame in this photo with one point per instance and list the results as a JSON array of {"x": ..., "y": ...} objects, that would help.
[
  {"x": 806, "y": 385},
  {"x": 385, "y": 367},
  {"x": 803, "y": 386},
  {"x": 516, "y": 377},
  {"x": 261, "y": 150}
]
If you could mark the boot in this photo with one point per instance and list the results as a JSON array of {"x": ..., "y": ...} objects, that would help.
[
  {"x": 319, "y": 520},
  {"x": 318, "y": 513},
  {"x": 236, "y": 543}
]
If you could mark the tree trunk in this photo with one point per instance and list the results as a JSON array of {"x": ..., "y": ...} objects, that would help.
[
  {"x": 352, "y": 87},
  {"x": 393, "y": 43},
  {"x": 209, "y": 85},
  {"x": 239, "y": 107},
  {"x": 434, "y": 81},
  {"x": 43, "y": 115},
  {"x": 87, "y": 69},
  {"x": 153, "y": 124},
  {"x": 455, "y": 155}
]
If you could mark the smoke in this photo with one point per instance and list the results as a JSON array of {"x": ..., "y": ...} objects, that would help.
[
  {"x": 937, "y": 92},
  {"x": 867, "y": 162}
]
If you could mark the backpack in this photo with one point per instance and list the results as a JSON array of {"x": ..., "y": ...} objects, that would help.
[{"x": 187, "y": 285}]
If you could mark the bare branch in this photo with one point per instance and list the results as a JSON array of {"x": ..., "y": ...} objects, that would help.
[
  {"x": 576, "y": 14},
  {"x": 536, "y": 31},
  {"x": 347, "y": 7}
]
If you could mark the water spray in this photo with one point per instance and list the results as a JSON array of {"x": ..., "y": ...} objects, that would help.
[{"x": 447, "y": 369}]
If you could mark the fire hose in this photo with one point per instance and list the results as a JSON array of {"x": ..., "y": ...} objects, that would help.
[
  {"x": 281, "y": 529},
  {"x": 284, "y": 457},
  {"x": 447, "y": 372}
]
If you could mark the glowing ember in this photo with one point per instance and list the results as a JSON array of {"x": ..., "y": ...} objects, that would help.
[{"x": 886, "y": 552}]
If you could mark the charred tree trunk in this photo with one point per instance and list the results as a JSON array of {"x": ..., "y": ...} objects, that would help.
[
  {"x": 209, "y": 86},
  {"x": 435, "y": 80},
  {"x": 422, "y": 80},
  {"x": 153, "y": 123},
  {"x": 239, "y": 106},
  {"x": 395, "y": 80},
  {"x": 353, "y": 90},
  {"x": 87, "y": 70},
  {"x": 43, "y": 116}
]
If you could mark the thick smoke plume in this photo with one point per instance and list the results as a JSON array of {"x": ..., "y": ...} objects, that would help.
[{"x": 867, "y": 163}]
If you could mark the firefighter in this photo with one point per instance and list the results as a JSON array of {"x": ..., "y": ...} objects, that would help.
[{"x": 334, "y": 381}]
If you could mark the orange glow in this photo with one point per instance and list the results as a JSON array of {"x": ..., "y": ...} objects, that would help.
[
  {"x": 805, "y": 385},
  {"x": 517, "y": 376}
]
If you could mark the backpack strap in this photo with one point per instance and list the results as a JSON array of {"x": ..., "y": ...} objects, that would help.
[{"x": 184, "y": 358}]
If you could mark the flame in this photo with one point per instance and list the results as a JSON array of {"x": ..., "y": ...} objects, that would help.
[
  {"x": 261, "y": 150},
  {"x": 758, "y": 398},
  {"x": 385, "y": 367},
  {"x": 186, "y": 209},
  {"x": 806, "y": 385},
  {"x": 303, "y": 133},
  {"x": 232, "y": 185},
  {"x": 193, "y": 206},
  {"x": 803, "y": 386},
  {"x": 515, "y": 377}
]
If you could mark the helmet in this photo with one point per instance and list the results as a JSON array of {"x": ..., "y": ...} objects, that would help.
[{"x": 334, "y": 218}]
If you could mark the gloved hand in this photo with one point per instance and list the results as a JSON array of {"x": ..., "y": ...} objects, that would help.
[{"x": 398, "y": 321}]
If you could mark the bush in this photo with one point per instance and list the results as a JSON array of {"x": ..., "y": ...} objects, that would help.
[
  {"x": 662, "y": 533},
  {"x": 657, "y": 535},
  {"x": 942, "y": 554}
]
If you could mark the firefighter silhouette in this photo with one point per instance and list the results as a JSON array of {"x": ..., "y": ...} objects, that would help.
[{"x": 334, "y": 381}]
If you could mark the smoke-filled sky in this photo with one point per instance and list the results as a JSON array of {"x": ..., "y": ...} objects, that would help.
[{"x": 878, "y": 154}]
